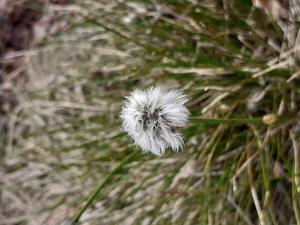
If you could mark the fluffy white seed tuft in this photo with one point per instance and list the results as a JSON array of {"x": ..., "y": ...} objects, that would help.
[{"x": 153, "y": 118}]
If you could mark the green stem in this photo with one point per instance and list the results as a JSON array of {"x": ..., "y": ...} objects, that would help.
[
  {"x": 232, "y": 121},
  {"x": 278, "y": 120},
  {"x": 99, "y": 187}
]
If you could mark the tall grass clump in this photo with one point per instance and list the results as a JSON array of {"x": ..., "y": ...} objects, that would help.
[{"x": 240, "y": 162}]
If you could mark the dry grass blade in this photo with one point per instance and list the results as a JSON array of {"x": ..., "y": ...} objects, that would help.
[{"x": 61, "y": 95}]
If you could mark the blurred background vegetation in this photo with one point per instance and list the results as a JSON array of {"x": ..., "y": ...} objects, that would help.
[{"x": 65, "y": 67}]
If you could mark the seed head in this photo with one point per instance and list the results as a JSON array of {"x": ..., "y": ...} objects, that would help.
[{"x": 154, "y": 117}]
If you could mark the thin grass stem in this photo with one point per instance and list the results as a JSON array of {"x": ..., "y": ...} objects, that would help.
[
  {"x": 99, "y": 187},
  {"x": 230, "y": 121}
]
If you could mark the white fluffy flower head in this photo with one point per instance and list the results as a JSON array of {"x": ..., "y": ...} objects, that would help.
[{"x": 153, "y": 118}]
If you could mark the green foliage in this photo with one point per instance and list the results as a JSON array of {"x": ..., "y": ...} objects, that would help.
[{"x": 230, "y": 157}]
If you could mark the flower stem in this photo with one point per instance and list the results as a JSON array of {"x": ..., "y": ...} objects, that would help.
[
  {"x": 269, "y": 120},
  {"x": 99, "y": 187},
  {"x": 232, "y": 121}
]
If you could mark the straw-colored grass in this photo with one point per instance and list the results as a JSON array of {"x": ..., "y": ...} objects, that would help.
[{"x": 241, "y": 155}]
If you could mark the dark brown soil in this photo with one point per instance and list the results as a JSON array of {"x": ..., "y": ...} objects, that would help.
[{"x": 17, "y": 21}]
